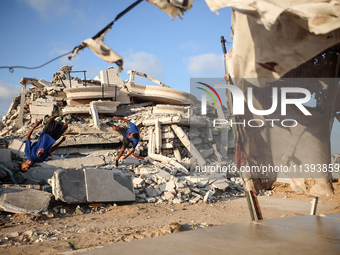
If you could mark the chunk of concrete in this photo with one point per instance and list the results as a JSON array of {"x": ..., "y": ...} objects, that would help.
[
  {"x": 106, "y": 186},
  {"x": 170, "y": 186},
  {"x": 5, "y": 155},
  {"x": 147, "y": 170},
  {"x": 18, "y": 147},
  {"x": 153, "y": 192},
  {"x": 91, "y": 139},
  {"x": 91, "y": 185},
  {"x": 131, "y": 161},
  {"x": 21, "y": 200},
  {"x": 220, "y": 184},
  {"x": 138, "y": 182},
  {"x": 38, "y": 173},
  {"x": 163, "y": 175},
  {"x": 70, "y": 163},
  {"x": 69, "y": 186},
  {"x": 208, "y": 196},
  {"x": 168, "y": 196}
]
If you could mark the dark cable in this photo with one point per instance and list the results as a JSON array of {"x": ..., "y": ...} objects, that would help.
[
  {"x": 10, "y": 68},
  {"x": 117, "y": 17}
]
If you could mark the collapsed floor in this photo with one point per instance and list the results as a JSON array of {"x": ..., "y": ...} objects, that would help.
[{"x": 174, "y": 138}]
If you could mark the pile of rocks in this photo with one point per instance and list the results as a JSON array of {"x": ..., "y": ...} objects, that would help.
[{"x": 160, "y": 186}]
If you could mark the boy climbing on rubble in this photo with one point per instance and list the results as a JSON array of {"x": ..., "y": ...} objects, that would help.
[
  {"x": 40, "y": 150},
  {"x": 130, "y": 138}
]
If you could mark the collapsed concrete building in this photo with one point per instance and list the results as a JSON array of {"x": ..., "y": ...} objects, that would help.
[{"x": 174, "y": 138}]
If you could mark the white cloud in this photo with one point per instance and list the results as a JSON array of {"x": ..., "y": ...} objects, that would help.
[
  {"x": 144, "y": 62},
  {"x": 190, "y": 45},
  {"x": 7, "y": 93},
  {"x": 51, "y": 7},
  {"x": 206, "y": 64}
]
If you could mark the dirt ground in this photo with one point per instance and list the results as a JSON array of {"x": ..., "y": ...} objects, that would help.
[{"x": 115, "y": 224}]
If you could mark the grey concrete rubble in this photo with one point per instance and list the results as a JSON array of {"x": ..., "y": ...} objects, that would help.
[
  {"x": 17, "y": 199},
  {"x": 91, "y": 185},
  {"x": 174, "y": 138}
]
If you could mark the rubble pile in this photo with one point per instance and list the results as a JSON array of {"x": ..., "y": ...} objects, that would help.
[
  {"x": 174, "y": 140},
  {"x": 162, "y": 186}
]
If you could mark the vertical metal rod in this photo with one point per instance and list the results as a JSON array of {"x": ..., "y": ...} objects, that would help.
[
  {"x": 314, "y": 205},
  {"x": 85, "y": 77},
  {"x": 69, "y": 78},
  {"x": 254, "y": 206}
]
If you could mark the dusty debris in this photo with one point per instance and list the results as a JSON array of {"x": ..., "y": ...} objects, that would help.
[{"x": 173, "y": 137}]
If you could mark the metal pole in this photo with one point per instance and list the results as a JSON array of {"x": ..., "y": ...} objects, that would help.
[
  {"x": 314, "y": 205},
  {"x": 85, "y": 77}
]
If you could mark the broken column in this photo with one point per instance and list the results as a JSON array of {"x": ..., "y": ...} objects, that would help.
[{"x": 186, "y": 142}]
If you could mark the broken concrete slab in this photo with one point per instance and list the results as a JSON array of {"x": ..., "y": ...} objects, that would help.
[
  {"x": 220, "y": 184},
  {"x": 131, "y": 161},
  {"x": 91, "y": 185},
  {"x": 153, "y": 192},
  {"x": 162, "y": 175},
  {"x": 138, "y": 182},
  {"x": 21, "y": 200},
  {"x": 71, "y": 163},
  {"x": 40, "y": 174},
  {"x": 176, "y": 120},
  {"x": 5, "y": 155},
  {"x": 166, "y": 160},
  {"x": 107, "y": 186},
  {"x": 206, "y": 153},
  {"x": 18, "y": 147},
  {"x": 92, "y": 92},
  {"x": 170, "y": 109},
  {"x": 86, "y": 129},
  {"x": 69, "y": 186},
  {"x": 102, "y": 107},
  {"x": 111, "y": 77},
  {"x": 91, "y": 139},
  {"x": 157, "y": 94}
]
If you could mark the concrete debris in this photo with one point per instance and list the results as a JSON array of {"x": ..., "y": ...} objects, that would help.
[
  {"x": 5, "y": 155},
  {"x": 174, "y": 138},
  {"x": 154, "y": 185},
  {"x": 17, "y": 199},
  {"x": 91, "y": 185},
  {"x": 17, "y": 147}
]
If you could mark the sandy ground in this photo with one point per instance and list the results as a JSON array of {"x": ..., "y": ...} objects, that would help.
[{"x": 115, "y": 224}]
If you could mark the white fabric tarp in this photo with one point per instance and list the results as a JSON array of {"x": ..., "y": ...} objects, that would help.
[{"x": 274, "y": 37}]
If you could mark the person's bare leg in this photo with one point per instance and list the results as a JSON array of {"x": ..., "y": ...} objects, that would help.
[{"x": 120, "y": 154}]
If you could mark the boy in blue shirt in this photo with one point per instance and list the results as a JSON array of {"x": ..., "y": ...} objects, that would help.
[
  {"x": 40, "y": 150},
  {"x": 130, "y": 138}
]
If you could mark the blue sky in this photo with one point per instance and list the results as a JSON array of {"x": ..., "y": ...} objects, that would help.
[{"x": 172, "y": 51}]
